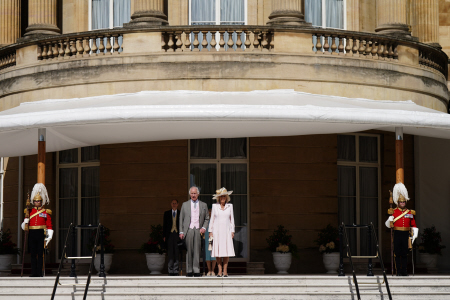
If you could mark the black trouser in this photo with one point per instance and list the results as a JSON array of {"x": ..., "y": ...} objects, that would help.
[
  {"x": 401, "y": 251},
  {"x": 173, "y": 252},
  {"x": 36, "y": 248}
]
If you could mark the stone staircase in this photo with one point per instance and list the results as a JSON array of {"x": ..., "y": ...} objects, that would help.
[{"x": 234, "y": 287}]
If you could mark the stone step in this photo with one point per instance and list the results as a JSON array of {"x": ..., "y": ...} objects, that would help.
[{"x": 234, "y": 287}]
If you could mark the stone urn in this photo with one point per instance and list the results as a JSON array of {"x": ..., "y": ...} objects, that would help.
[
  {"x": 429, "y": 260},
  {"x": 282, "y": 261},
  {"x": 107, "y": 261},
  {"x": 5, "y": 261},
  {"x": 331, "y": 262},
  {"x": 155, "y": 262}
]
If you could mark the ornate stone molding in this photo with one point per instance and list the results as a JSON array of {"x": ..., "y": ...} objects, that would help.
[{"x": 147, "y": 13}]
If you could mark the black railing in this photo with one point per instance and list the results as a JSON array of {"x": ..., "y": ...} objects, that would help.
[
  {"x": 371, "y": 235},
  {"x": 73, "y": 230}
]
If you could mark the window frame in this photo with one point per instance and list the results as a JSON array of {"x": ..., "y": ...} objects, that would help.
[
  {"x": 324, "y": 14},
  {"x": 357, "y": 164},
  {"x": 219, "y": 161},
  {"x": 217, "y": 15},
  {"x": 79, "y": 165},
  {"x": 111, "y": 16}
]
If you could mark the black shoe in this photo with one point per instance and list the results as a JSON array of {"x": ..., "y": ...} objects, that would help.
[
  {"x": 34, "y": 275},
  {"x": 225, "y": 275},
  {"x": 197, "y": 275},
  {"x": 190, "y": 275},
  {"x": 175, "y": 274},
  {"x": 404, "y": 274}
]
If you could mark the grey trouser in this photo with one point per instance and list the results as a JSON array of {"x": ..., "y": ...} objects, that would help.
[
  {"x": 172, "y": 250},
  {"x": 193, "y": 245}
]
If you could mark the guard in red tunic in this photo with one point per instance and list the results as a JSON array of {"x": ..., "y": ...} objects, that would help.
[
  {"x": 405, "y": 229},
  {"x": 40, "y": 228}
]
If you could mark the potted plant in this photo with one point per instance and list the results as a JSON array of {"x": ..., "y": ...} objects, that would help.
[
  {"x": 430, "y": 246},
  {"x": 282, "y": 249},
  {"x": 108, "y": 249},
  {"x": 328, "y": 243},
  {"x": 8, "y": 250},
  {"x": 154, "y": 250}
]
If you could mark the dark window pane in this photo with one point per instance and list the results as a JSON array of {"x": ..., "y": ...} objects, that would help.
[
  {"x": 204, "y": 177},
  {"x": 68, "y": 183},
  {"x": 240, "y": 209},
  {"x": 346, "y": 148},
  {"x": 90, "y": 181},
  {"x": 234, "y": 178},
  {"x": 346, "y": 181},
  {"x": 368, "y": 182},
  {"x": 68, "y": 156},
  {"x": 204, "y": 148},
  {"x": 91, "y": 153},
  {"x": 368, "y": 149},
  {"x": 90, "y": 211},
  {"x": 233, "y": 148},
  {"x": 369, "y": 214}
]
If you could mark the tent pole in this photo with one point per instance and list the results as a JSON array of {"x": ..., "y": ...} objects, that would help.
[
  {"x": 399, "y": 169},
  {"x": 41, "y": 156}
]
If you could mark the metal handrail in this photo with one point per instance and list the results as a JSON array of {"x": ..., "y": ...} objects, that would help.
[
  {"x": 343, "y": 232},
  {"x": 73, "y": 274}
]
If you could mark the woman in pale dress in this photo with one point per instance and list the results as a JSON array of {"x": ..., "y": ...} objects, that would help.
[{"x": 221, "y": 229}]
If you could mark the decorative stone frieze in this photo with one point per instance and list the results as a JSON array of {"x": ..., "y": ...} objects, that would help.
[
  {"x": 287, "y": 12},
  {"x": 426, "y": 21},
  {"x": 42, "y": 18},
  {"x": 147, "y": 13},
  {"x": 392, "y": 17}
]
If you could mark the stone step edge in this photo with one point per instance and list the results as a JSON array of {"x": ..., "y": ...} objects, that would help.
[{"x": 240, "y": 293}]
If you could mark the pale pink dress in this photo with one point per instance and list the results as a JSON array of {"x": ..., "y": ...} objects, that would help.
[{"x": 221, "y": 225}]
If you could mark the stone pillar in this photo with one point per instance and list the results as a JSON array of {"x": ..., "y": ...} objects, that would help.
[
  {"x": 392, "y": 17},
  {"x": 287, "y": 12},
  {"x": 9, "y": 21},
  {"x": 147, "y": 13},
  {"x": 426, "y": 21},
  {"x": 42, "y": 18}
]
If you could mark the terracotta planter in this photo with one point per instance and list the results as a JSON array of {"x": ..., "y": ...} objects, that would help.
[
  {"x": 282, "y": 262},
  {"x": 430, "y": 260},
  {"x": 155, "y": 262},
  {"x": 5, "y": 261},
  {"x": 107, "y": 261},
  {"x": 331, "y": 262}
]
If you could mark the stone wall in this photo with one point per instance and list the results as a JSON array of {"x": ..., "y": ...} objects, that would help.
[
  {"x": 293, "y": 182},
  {"x": 137, "y": 183},
  {"x": 444, "y": 25}
]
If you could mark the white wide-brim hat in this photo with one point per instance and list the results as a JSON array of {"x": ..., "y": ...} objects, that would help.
[{"x": 222, "y": 192}]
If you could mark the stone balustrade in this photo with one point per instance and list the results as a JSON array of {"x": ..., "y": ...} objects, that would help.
[
  {"x": 217, "y": 39},
  {"x": 230, "y": 39},
  {"x": 431, "y": 59},
  {"x": 86, "y": 45},
  {"x": 7, "y": 59},
  {"x": 358, "y": 45}
]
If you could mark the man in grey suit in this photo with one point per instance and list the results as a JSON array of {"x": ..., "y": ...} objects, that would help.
[{"x": 194, "y": 218}]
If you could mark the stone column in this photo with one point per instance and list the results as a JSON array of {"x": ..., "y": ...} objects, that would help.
[
  {"x": 42, "y": 18},
  {"x": 9, "y": 21},
  {"x": 148, "y": 13},
  {"x": 392, "y": 17},
  {"x": 287, "y": 12},
  {"x": 426, "y": 21}
]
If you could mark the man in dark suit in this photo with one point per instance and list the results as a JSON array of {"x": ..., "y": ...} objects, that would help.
[{"x": 170, "y": 231}]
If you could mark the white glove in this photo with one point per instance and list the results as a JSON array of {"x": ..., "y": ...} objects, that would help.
[
  {"x": 388, "y": 221},
  {"x": 415, "y": 234},
  {"x": 26, "y": 221},
  {"x": 49, "y": 236}
]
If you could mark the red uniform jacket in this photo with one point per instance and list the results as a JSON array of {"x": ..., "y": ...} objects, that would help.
[
  {"x": 43, "y": 220},
  {"x": 405, "y": 222}
]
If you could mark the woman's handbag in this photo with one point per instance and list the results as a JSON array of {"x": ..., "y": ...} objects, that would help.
[{"x": 210, "y": 243}]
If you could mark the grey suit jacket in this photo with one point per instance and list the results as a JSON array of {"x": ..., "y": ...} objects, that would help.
[{"x": 185, "y": 216}]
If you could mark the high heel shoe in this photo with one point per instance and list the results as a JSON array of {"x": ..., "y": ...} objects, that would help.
[{"x": 219, "y": 275}]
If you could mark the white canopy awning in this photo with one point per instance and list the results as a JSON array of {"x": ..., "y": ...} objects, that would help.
[{"x": 168, "y": 115}]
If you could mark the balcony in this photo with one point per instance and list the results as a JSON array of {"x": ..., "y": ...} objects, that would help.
[{"x": 230, "y": 58}]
